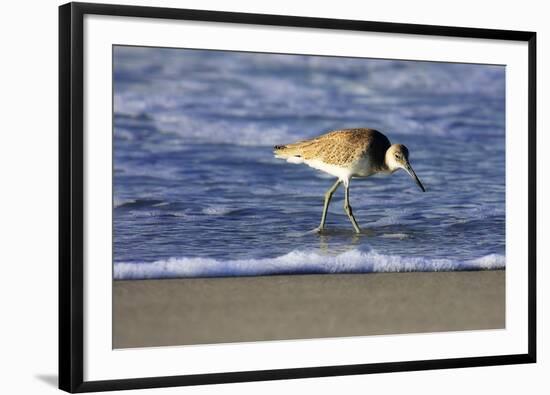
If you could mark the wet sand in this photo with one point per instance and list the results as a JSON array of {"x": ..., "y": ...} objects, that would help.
[{"x": 221, "y": 310}]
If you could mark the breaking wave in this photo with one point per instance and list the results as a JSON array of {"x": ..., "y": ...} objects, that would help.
[{"x": 299, "y": 262}]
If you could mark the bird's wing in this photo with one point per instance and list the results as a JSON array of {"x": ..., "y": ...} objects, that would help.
[{"x": 340, "y": 147}]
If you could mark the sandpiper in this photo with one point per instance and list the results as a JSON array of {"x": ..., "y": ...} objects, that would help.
[{"x": 347, "y": 154}]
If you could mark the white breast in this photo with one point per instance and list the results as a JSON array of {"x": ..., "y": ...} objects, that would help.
[{"x": 362, "y": 168}]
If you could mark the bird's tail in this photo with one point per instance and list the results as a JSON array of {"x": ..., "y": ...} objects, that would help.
[
  {"x": 281, "y": 151},
  {"x": 290, "y": 152}
]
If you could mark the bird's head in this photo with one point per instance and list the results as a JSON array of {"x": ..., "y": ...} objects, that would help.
[{"x": 397, "y": 157}]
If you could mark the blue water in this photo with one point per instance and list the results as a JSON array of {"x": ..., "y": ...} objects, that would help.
[{"x": 197, "y": 191}]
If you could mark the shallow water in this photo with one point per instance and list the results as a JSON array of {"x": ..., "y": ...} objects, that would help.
[{"x": 197, "y": 191}]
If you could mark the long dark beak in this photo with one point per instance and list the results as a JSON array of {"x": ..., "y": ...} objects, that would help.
[{"x": 409, "y": 169}]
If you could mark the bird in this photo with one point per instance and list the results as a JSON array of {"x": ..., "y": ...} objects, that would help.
[{"x": 347, "y": 154}]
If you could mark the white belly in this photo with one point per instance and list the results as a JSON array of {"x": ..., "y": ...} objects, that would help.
[
  {"x": 343, "y": 173},
  {"x": 361, "y": 168}
]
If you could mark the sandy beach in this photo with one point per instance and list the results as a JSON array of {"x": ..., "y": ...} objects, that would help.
[{"x": 219, "y": 310}]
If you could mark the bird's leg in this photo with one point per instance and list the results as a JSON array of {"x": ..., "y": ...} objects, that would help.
[
  {"x": 328, "y": 196},
  {"x": 348, "y": 210}
]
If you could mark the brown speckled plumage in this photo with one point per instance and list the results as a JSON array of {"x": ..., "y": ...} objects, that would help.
[
  {"x": 347, "y": 154},
  {"x": 340, "y": 147}
]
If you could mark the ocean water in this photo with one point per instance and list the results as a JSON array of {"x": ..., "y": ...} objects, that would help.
[{"x": 197, "y": 191}]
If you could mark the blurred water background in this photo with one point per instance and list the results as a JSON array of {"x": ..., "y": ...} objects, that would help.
[{"x": 197, "y": 191}]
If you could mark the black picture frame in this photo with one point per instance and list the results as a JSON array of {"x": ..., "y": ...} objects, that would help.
[{"x": 71, "y": 172}]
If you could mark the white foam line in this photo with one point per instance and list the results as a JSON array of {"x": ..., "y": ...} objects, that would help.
[{"x": 353, "y": 261}]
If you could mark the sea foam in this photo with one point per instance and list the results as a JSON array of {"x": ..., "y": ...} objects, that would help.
[{"x": 299, "y": 262}]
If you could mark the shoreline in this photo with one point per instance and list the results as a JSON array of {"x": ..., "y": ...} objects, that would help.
[{"x": 165, "y": 312}]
